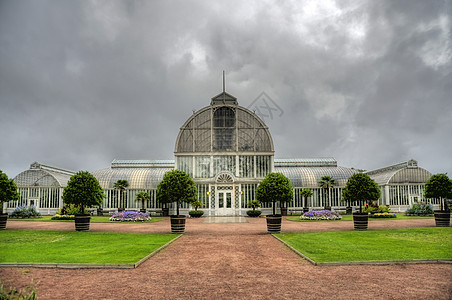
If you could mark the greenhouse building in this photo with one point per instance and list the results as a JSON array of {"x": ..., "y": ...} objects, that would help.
[{"x": 227, "y": 150}]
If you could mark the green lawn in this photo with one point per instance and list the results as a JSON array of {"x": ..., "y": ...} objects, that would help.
[
  {"x": 94, "y": 219},
  {"x": 350, "y": 218},
  {"x": 27, "y": 246},
  {"x": 373, "y": 245}
]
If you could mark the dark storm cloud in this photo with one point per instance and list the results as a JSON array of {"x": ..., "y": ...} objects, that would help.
[{"x": 84, "y": 82}]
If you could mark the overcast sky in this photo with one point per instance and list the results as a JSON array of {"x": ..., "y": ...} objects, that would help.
[{"x": 85, "y": 82}]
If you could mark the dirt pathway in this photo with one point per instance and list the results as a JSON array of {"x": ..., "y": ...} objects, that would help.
[{"x": 235, "y": 261}]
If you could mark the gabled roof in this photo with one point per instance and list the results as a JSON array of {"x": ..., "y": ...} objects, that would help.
[{"x": 224, "y": 98}]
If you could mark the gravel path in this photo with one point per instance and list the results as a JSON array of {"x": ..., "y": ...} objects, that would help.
[{"x": 234, "y": 261}]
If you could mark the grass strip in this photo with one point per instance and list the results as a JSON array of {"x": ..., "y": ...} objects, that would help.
[
  {"x": 94, "y": 219},
  {"x": 373, "y": 245},
  {"x": 58, "y": 247}
]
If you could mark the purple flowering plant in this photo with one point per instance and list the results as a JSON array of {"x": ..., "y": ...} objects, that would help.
[
  {"x": 130, "y": 216},
  {"x": 321, "y": 215}
]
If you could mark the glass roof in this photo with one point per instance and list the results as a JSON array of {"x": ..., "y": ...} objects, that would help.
[
  {"x": 138, "y": 177},
  {"x": 306, "y": 162},
  {"x": 43, "y": 175},
  {"x": 406, "y": 172},
  {"x": 310, "y": 176}
]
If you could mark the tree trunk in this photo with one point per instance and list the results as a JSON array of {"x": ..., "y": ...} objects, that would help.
[
  {"x": 177, "y": 203},
  {"x": 274, "y": 208}
]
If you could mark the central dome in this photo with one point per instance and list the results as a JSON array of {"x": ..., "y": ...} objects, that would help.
[{"x": 224, "y": 126}]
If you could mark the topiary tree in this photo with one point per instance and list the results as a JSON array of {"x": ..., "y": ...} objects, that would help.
[
  {"x": 121, "y": 185},
  {"x": 177, "y": 186},
  {"x": 360, "y": 187},
  {"x": 8, "y": 190},
  {"x": 143, "y": 197},
  {"x": 439, "y": 186},
  {"x": 306, "y": 193},
  {"x": 326, "y": 182},
  {"x": 275, "y": 187},
  {"x": 83, "y": 190}
]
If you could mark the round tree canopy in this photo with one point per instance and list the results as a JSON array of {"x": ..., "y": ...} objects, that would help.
[
  {"x": 275, "y": 187},
  {"x": 8, "y": 189},
  {"x": 83, "y": 190}
]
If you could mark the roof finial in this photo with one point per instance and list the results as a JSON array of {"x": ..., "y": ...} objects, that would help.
[{"x": 224, "y": 83}]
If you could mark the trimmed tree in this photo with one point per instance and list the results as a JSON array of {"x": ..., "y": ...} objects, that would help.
[
  {"x": 326, "y": 183},
  {"x": 360, "y": 187},
  {"x": 83, "y": 190},
  {"x": 143, "y": 197},
  {"x": 177, "y": 186},
  {"x": 306, "y": 193},
  {"x": 274, "y": 188},
  {"x": 121, "y": 185},
  {"x": 439, "y": 186},
  {"x": 8, "y": 190}
]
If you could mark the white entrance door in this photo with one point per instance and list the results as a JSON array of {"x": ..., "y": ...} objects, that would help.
[{"x": 224, "y": 203}]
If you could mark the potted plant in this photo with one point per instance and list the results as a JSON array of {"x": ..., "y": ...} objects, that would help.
[
  {"x": 8, "y": 192},
  {"x": 121, "y": 185},
  {"x": 439, "y": 186},
  {"x": 361, "y": 188},
  {"x": 274, "y": 188},
  {"x": 254, "y": 213},
  {"x": 84, "y": 191},
  {"x": 177, "y": 186},
  {"x": 196, "y": 213},
  {"x": 306, "y": 193},
  {"x": 143, "y": 197}
]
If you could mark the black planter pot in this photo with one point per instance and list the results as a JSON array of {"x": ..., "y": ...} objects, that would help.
[
  {"x": 82, "y": 222},
  {"x": 274, "y": 223},
  {"x": 177, "y": 224},
  {"x": 305, "y": 209},
  {"x": 3, "y": 220},
  {"x": 196, "y": 213},
  {"x": 442, "y": 218},
  {"x": 360, "y": 221},
  {"x": 348, "y": 210},
  {"x": 254, "y": 213},
  {"x": 100, "y": 212},
  {"x": 283, "y": 211},
  {"x": 165, "y": 212}
]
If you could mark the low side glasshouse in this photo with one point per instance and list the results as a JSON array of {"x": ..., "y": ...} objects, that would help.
[{"x": 227, "y": 150}]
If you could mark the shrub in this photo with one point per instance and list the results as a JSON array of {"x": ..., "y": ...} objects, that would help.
[
  {"x": 321, "y": 215},
  {"x": 377, "y": 209},
  {"x": 254, "y": 213},
  {"x": 195, "y": 213},
  {"x": 130, "y": 216},
  {"x": 420, "y": 209},
  {"x": 71, "y": 209},
  {"x": 25, "y": 212}
]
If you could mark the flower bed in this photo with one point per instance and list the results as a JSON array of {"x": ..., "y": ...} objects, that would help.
[
  {"x": 63, "y": 217},
  {"x": 23, "y": 211},
  {"x": 383, "y": 215},
  {"x": 130, "y": 216},
  {"x": 420, "y": 210},
  {"x": 321, "y": 215}
]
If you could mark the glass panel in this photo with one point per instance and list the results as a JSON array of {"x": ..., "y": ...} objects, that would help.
[
  {"x": 220, "y": 200},
  {"x": 246, "y": 166},
  {"x": 223, "y": 163},
  {"x": 228, "y": 200},
  {"x": 202, "y": 166}
]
